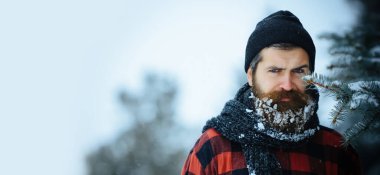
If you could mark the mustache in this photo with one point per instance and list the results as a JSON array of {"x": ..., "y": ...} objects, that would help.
[
  {"x": 297, "y": 99},
  {"x": 276, "y": 96}
]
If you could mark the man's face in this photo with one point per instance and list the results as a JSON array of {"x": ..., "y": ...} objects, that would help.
[{"x": 278, "y": 76}]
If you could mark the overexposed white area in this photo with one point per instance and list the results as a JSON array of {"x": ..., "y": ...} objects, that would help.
[{"x": 63, "y": 62}]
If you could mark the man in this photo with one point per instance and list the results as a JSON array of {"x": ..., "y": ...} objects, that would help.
[{"x": 271, "y": 126}]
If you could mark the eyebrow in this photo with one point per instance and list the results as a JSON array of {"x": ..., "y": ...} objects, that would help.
[{"x": 300, "y": 67}]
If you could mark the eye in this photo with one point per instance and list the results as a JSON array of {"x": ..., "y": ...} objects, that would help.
[
  {"x": 299, "y": 71},
  {"x": 274, "y": 70}
]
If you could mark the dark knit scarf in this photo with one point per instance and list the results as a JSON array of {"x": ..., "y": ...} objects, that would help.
[{"x": 239, "y": 124}]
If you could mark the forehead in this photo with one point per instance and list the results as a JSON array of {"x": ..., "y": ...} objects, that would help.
[{"x": 284, "y": 57}]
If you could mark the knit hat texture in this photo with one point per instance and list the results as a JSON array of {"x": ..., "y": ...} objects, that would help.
[{"x": 279, "y": 27}]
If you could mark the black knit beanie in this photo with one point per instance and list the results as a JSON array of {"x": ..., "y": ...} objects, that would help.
[{"x": 279, "y": 27}]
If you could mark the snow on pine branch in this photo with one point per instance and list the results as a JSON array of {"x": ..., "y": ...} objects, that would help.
[
  {"x": 362, "y": 93},
  {"x": 357, "y": 92},
  {"x": 359, "y": 98}
]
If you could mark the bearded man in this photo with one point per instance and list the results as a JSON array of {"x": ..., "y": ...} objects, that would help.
[{"x": 271, "y": 126}]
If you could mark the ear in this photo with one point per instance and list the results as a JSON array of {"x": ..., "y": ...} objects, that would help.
[{"x": 249, "y": 76}]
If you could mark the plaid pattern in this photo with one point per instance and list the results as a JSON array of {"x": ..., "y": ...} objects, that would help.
[{"x": 215, "y": 155}]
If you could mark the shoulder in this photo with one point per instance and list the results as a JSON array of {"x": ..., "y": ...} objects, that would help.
[
  {"x": 214, "y": 147},
  {"x": 328, "y": 136},
  {"x": 206, "y": 138},
  {"x": 347, "y": 157},
  {"x": 212, "y": 153},
  {"x": 212, "y": 141},
  {"x": 210, "y": 134}
]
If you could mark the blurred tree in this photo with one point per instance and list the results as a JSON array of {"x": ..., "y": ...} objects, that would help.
[
  {"x": 357, "y": 58},
  {"x": 150, "y": 146}
]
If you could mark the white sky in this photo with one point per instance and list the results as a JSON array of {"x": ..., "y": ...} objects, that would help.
[{"x": 62, "y": 62}]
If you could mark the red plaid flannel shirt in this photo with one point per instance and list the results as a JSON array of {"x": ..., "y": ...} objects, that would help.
[{"x": 215, "y": 155}]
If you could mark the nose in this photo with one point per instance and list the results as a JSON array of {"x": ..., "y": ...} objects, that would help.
[{"x": 287, "y": 83}]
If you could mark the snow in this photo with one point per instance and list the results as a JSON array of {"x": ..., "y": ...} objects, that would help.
[
  {"x": 281, "y": 119},
  {"x": 292, "y": 137},
  {"x": 374, "y": 59},
  {"x": 241, "y": 136},
  {"x": 269, "y": 102},
  {"x": 356, "y": 86},
  {"x": 248, "y": 110},
  {"x": 375, "y": 50},
  {"x": 307, "y": 109},
  {"x": 251, "y": 95},
  {"x": 260, "y": 126},
  {"x": 360, "y": 95},
  {"x": 278, "y": 117},
  {"x": 358, "y": 98},
  {"x": 336, "y": 83},
  {"x": 307, "y": 77},
  {"x": 314, "y": 77},
  {"x": 298, "y": 117},
  {"x": 275, "y": 106}
]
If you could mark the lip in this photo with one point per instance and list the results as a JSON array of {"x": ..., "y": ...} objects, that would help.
[{"x": 285, "y": 99}]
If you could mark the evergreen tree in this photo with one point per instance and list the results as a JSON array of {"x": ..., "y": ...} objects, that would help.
[
  {"x": 150, "y": 146},
  {"x": 354, "y": 81}
]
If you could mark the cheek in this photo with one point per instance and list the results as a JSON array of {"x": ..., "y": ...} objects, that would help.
[
  {"x": 265, "y": 84},
  {"x": 268, "y": 87},
  {"x": 300, "y": 85}
]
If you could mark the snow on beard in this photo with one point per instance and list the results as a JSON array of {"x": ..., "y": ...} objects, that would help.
[{"x": 290, "y": 116}]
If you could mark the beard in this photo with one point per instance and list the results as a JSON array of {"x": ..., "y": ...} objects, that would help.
[{"x": 284, "y": 116}]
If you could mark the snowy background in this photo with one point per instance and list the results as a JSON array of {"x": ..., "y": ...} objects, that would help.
[{"x": 62, "y": 63}]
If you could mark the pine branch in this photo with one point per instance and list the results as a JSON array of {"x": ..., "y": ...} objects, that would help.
[
  {"x": 354, "y": 99},
  {"x": 338, "y": 114},
  {"x": 356, "y": 130},
  {"x": 335, "y": 88}
]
